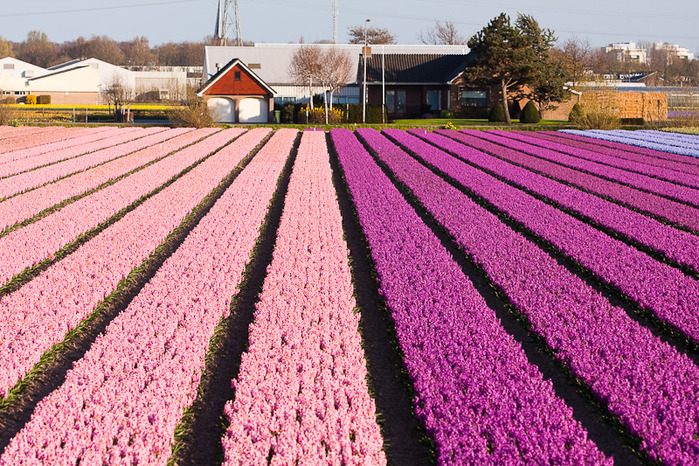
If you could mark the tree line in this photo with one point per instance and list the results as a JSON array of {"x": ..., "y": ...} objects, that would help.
[{"x": 38, "y": 50}]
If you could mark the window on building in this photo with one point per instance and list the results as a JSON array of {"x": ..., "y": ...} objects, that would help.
[
  {"x": 395, "y": 101},
  {"x": 237, "y": 76},
  {"x": 390, "y": 101},
  {"x": 434, "y": 99},
  {"x": 473, "y": 98},
  {"x": 400, "y": 101},
  {"x": 8, "y": 66},
  {"x": 284, "y": 100},
  {"x": 28, "y": 74},
  {"x": 255, "y": 66}
]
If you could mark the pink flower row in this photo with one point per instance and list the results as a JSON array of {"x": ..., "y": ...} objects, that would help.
[
  {"x": 35, "y": 171},
  {"x": 69, "y": 138},
  {"x": 31, "y": 138},
  {"x": 35, "y": 242},
  {"x": 122, "y": 402},
  {"x": 39, "y": 314},
  {"x": 24, "y": 206},
  {"x": 301, "y": 395}
]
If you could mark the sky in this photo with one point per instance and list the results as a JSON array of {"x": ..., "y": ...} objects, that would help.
[{"x": 599, "y": 21}]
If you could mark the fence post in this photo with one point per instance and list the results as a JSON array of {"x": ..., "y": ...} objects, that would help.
[
  {"x": 86, "y": 114},
  {"x": 73, "y": 114}
]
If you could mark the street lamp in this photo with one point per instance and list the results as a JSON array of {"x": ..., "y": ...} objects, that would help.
[{"x": 364, "y": 54}]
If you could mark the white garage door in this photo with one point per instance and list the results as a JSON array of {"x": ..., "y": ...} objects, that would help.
[
  {"x": 221, "y": 110},
  {"x": 253, "y": 110}
]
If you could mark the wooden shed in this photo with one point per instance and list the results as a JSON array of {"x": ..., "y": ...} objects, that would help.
[{"x": 235, "y": 94}]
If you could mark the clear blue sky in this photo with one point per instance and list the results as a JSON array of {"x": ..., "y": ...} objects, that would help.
[{"x": 600, "y": 21}]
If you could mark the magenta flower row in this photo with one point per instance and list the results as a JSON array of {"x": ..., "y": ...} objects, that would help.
[
  {"x": 661, "y": 207},
  {"x": 635, "y": 180},
  {"x": 39, "y": 314},
  {"x": 110, "y": 149},
  {"x": 479, "y": 397},
  {"x": 678, "y": 245},
  {"x": 663, "y": 290},
  {"x": 117, "y": 136},
  {"x": 35, "y": 242},
  {"x": 301, "y": 395},
  {"x": 26, "y": 205},
  {"x": 673, "y": 176},
  {"x": 651, "y": 387},
  {"x": 674, "y": 140},
  {"x": 657, "y": 154},
  {"x": 655, "y": 142},
  {"x": 122, "y": 401},
  {"x": 627, "y": 154},
  {"x": 69, "y": 137}
]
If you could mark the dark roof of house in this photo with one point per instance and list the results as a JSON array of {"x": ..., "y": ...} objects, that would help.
[{"x": 414, "y": 68}]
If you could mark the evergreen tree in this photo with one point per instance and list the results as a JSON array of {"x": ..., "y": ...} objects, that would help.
[{"x": 512, "y": 57}]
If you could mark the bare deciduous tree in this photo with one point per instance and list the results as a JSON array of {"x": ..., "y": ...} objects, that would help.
[
  {"x": 305, "y": 67},
  {"x": 329, "y": 69},
  {"x": 374, "y": 35},
  {"x": 577, "y": 57},
  {"x": 336, "y": 71},
  {"x": 442, "y": 34}
]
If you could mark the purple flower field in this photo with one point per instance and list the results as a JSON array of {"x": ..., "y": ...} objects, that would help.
[{"x": 168, "y": 295}]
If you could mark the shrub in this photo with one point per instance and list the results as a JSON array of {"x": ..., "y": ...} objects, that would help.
[
  {"x": 8, "y": 101},
  {"x": 317, "y": 115},
  {"x": 43, "y": 100},
  {"x": 194, "y": 114},
  {"x": 576, "y": 113},
  {"x": 7, "y": 114},
  {"x": 30, "y": 99},
  {"x": 497, "y": 114},
  {"x": 446, "y": 113},
  {"x": 530, "y": 114}
]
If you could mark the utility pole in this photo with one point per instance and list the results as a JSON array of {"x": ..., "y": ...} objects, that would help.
[{"x": 365, "y": 53}]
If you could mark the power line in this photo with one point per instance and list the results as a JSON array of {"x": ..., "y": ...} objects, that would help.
[{"x": 81, "y": 10}]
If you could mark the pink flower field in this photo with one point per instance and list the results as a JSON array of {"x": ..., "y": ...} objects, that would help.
[{"x": 256, "y": 296}]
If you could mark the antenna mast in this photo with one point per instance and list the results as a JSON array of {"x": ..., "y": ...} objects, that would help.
[
  {"x": 224, "y": 21},
  {"x": 334, "y": 22}
]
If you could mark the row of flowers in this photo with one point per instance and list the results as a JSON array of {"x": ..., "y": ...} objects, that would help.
[
  {"x": 90, "y": 143},
  {"x": 688, "y": 141},
  {"x": 40, "y": 313},
  {"x": 31, "y": 244},
  {"x": 76, "y": 159},
  {"x": 625, "y": 153},
  {"x": 122, "y": 401},
  {"x": 656, "y": 141},
  {"x": 663, "y": 290},
  {"x": 301, "y": 396},
  {"x": 648, "y": 384},
  {"x": 660, "y": 207},
  {"x": 24, "y": 206},
  {"x": 635, "y": 180},
  {"x": 479, "y": 397},
  {"x": 14, "y": 140},
  {"x": 676, "y": 245},
  {"x": 674, "y": 176},
  {"x": 634, "y": 149},
  {"x": 64, "y": 138}
]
